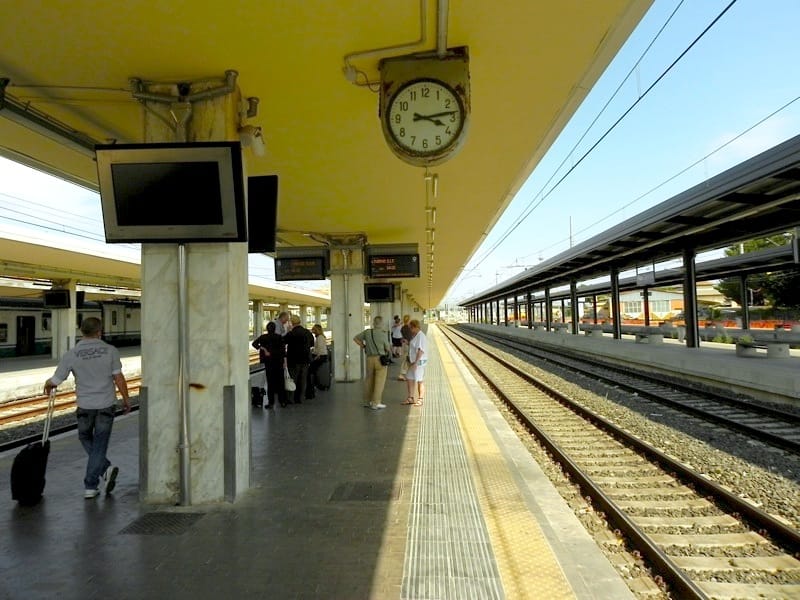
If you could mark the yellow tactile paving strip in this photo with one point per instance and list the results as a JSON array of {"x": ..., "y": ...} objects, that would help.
[{"x": 527, "y": 565}]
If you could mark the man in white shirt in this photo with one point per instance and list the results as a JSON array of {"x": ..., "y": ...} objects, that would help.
[{"x": 97, "y": 368}]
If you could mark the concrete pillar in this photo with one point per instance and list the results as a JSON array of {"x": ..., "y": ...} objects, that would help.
[
  {"x": 258, "y": 318},
  {"x": 63, "y": 322},
  {"x": 304, "y": 316},
  {"x": 317, "y": 314},
  {"x": 215, "y": 463},
  {"x": 283, "y": 307},
  {"x": 347, "y": 307}
]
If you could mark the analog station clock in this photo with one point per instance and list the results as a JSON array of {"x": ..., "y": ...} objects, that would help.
[{"x": 424, "y": 119}]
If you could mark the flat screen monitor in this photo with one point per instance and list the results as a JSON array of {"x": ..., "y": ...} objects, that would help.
[
  {"x": 172, "y": 193},
  {"x": 378, "y": 292},
  {"x": 300, "y": 268},
  {"x": 56, "y": 299},
  {"x": 262, "y": 213},
  {"x": 381, "y": 266}
]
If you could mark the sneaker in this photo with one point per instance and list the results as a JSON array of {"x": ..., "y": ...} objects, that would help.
[
  {"x": 378, "y": 406},
  {"x": 110, "y": 477},
  {"x": 89, "y": 494}
]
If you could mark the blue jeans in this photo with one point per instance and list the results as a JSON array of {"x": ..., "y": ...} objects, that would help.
[{"x": 94, "y": 431}]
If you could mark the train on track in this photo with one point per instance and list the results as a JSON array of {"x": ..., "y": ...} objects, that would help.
[{"x": 26, "y": 325}]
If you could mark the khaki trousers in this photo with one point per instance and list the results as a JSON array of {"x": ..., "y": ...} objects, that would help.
[{"x": 375, "y": 380}]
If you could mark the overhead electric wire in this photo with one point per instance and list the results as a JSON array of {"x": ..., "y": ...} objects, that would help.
[{"x": 530, "y": 208}]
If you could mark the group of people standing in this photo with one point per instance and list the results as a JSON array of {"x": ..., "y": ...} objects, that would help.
[
  {"x": 408, "y": 342},
  {"x": 290, "y": 352}
]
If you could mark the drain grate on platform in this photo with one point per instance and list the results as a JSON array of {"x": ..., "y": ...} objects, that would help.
[
  {"x": 162, "y": 523},
  {"x": 365, "y": 491}
]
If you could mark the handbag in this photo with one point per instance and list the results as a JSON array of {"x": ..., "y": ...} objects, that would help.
[
  {"x": 386, "y": 359},
  {"x": 288, "y": 383}
]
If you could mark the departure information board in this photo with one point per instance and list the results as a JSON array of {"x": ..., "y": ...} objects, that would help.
[
  {"x": 391, "y": 266},
  {"x": 301, "y": 268}
]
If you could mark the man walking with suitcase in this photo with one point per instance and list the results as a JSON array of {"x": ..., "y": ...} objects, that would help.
[{"x": 97, "y": 369}]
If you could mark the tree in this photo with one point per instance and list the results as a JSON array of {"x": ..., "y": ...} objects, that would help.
[{"x": 778, "y": 288}]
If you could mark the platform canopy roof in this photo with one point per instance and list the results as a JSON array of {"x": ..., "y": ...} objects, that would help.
[
  {"x": 531, "y": 64},
  {"x": 757, "y": 198}
]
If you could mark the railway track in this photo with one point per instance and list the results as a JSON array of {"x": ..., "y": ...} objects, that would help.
[
  {"x": 702, "y": 539},
  {"x": 19, "y": 411},
  {"x": 769, "y": 425}
]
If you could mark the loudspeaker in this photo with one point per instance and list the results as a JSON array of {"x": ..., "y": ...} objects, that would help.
[{"x": 262, "y": 213}]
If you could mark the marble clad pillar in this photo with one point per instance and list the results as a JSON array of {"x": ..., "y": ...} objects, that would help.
[
  {"x": 347, "y": 307},
  {"x": 218, "y": 341},
  {"x": 63, "y": 322}
]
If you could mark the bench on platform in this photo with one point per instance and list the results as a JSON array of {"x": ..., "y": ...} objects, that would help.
[
  {"x": 649, "y": 335},
  {"x": 593, "y": 330},
  {"x": 775, "y": 348}
]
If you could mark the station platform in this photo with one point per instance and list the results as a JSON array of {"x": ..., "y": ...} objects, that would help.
[
  {"x": 24, "y": 376},
  {"x": 434, "y": 502},
  {"x": 713, "y": 364}
]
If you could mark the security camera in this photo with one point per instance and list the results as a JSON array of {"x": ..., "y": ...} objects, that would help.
[{"x": 252, "y": 137}]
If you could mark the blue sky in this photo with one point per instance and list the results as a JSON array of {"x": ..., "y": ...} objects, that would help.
[{"x": 742, "y": 70}]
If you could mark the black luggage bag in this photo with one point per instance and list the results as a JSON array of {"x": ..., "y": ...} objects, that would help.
[{"x": 29, "y": 466}]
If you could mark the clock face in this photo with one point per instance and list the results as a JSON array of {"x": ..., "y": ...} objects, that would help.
[{"x": 425, "y": 117}]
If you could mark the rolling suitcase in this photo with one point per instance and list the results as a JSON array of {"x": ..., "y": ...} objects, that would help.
[{"x": 30, "y": 465}]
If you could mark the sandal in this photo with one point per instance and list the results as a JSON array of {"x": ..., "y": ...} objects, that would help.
[
  {"x": 408, "y": 400},
  {"x": 419, "y": 402}
]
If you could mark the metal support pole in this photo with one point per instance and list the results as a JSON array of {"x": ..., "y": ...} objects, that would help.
[
  {"x": 529, "y": 310},
  {"x": 505, "y": 312},
  {"x": 616, "y": 315},
  {"x": 573, "y": 300},
  {"x": 690, "y": 298},
  {"x": 646, "y": 298},
  {"x": 347, "y": 344},
  {"x": 183, "y": 362},
  {"x": 744, "y": 300},
  {"x": 516, "y": 310},
  {"x": 548, "y": 310}
]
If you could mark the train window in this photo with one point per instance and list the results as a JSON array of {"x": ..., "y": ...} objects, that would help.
[
  {"x": 113, "y": 317},
  {"x": 78, "y": 319},
  {"x": 3, "y": 332},
  {"x": 46, "y": 316}
]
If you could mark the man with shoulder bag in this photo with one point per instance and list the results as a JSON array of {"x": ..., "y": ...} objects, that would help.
[{"x": 375, "y": 344}]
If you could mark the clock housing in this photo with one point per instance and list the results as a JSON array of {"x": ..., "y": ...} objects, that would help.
[{"x": 424, "y": 105}]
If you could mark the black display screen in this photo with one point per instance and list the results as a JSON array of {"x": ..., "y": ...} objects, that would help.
[
  {"x": 393, "y": 265},
  {"x": 378, "y": 292},
  {"x": 179, "y": 193},
  {"x": 303, "y": 268},
  {"x": 56, "y": 299}
]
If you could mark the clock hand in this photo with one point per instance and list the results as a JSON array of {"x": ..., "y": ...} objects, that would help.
[{"x": 419, "y": 117}]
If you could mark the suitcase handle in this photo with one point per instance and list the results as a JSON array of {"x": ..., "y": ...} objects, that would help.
[{"x": 51, "y": 406}]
